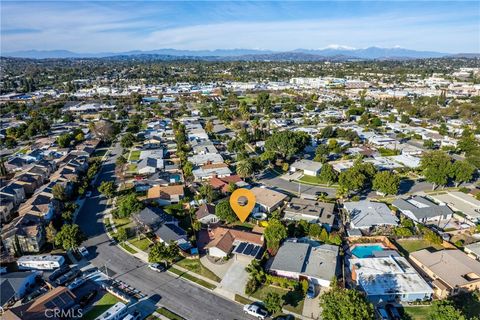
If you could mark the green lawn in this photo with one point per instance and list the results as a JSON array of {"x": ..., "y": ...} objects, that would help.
[
  {"x": 196, "y": 266},
  {"x": 132, "y": 168},
  {"x": 99, "y": 153},
  {"x": 242, "y": 299},
  {"x": 141, "y": 244},
  {"x": 128, "y": 248},
  {"x": 187, "y": 276},
  {"x": 315, "y": 180},
  {"x": 121, "y": 222},
  {"x": 293, "y": 299},
  {"x": 101, "y": 306},
  {"x": 169, "y": 314},
  {"x": 416, "y": 313},
  {"x": 134, "y": 155},
  {"x": 415, "y": 245}
]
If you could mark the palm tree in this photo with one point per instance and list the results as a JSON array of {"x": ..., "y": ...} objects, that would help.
[{"x": 245, "y": 168}]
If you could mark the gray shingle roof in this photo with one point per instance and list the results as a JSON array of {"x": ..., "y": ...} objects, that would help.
[
  {"x": 421, "y": 207},
  {"x": 366, "y": 214}
]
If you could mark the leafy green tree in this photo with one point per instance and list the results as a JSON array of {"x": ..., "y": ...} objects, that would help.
[
  {"x": 328, "y": 174},
  {"x": 273, "y": 302},
  {"x": 274, "y": 233},
  {"x": 444, "y": 310},
  {"x": 264, "y": 104},
  {"x": 436, "y": 166},
  {"x": 161, "y": 252},
  {"x": 127, "y": 205},
  {"x": 69, "y": 237},
  {"x": 315, "y": 230},
  {"x": 429, "y": 144},
  {"x": 209, "y": 126},
  {"x": 188, "y": 169},
  {"x": 462, "y": 171},
  {"x": 107, "y": 188},
  {"x": 224, "y": 212},
  {"x": 351, "y": 180},
  {"x": 120, "y": 161},
  {"x": 207, "y": 192},
  {"x": 386, "y": 182},
  {"x": 287, "y": 143},
  {"x": 345, "y": 304},
  {"x": 122, "y": 235},
  {"x": 50, "y": 233},
  {"x": 127, "y": 140},
  {"x": 58, "y": 192}
]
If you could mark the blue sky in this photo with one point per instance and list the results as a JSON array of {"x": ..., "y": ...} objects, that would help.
[{"x": 112, "y": 26}]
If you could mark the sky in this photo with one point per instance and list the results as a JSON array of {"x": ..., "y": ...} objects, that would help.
[{"x": 118, "y": 26}]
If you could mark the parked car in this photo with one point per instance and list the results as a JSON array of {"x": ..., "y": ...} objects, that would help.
[
  {"x": 76, "y": 283},
  {"x": 57, "y": 273},
  {"x": 311, "y": 293},
  {"x": 255, "y": 310},
  {"x": 157, "y": 267},
  {"x": 285, "y": 317},
  {"x": 68, "y": 276},
  {"x": 382, "y": 314},
  {"x": 83, "y": 251},
  {"x": 393, "y": 311},
  {"x": 87, "y": 298}
]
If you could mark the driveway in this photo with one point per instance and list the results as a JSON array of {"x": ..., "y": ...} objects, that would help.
[
  {"x": 236, "y": 277},
  {"x": 311, "y": 307}
]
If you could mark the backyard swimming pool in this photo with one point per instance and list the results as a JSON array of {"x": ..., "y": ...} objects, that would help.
[{"x": 365, "y": 251}]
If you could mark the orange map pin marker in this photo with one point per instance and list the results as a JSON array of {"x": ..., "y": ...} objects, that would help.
[{"x": 242, "y": 210}]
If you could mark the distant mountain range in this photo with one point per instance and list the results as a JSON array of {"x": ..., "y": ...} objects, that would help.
[{"x": 329, "y": 53}]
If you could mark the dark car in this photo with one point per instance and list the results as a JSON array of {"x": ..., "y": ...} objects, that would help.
[
  {"x": 87, "y": 298},
  {"x": 393, "y": 312},
  {"x": 57, "y": 273},
  {"x": 68, "y": 276}
]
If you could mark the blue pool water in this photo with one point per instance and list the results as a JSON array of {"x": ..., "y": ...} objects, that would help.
[
  {"x": 175, "y": 177},
  {"x": 366, "y": 251}
]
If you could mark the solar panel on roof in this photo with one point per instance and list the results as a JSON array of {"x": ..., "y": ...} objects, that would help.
[
  {"x": 248, "y": 249},
  {"x": 240, "y": 247},
  {"x": 255, "y": 251}
]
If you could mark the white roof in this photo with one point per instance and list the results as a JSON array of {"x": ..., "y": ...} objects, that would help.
[
  {"x": 366, "y": 214},
  {"x": 459, "y": 201},
  {"x": 388, "y": 275},
  {"x": 200, "y": 159},
  {"x": 305, "y": 164}
]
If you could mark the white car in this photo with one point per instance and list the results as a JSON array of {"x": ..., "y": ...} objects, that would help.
[
  {"x": 255, "y": 311},
  {"x": 157, "y": 267},
  {"x": 83, "y": 251}
]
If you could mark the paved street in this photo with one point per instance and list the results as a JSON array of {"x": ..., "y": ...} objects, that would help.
[
  {"x": 274, "y": 181},
  {"x": 178, "y": 295}
]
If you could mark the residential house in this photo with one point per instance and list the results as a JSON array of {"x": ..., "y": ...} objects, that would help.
[
  {"x": 460, "y": 202},
  {"x": 59, "y": 298},
  {"x": 154, "y": 154},
  {"x": 207, "y": 171},
  {"x": 422, "y": 210},
  {"x": 308, "y": 167},
  {"x": 207, "y": 158},
  {"x": 14, "y": 286},
  {"x": 389, "y": 279},
  {"x": 166, "y": 195},
  {"x": 149, "y": 165},
  {"x": 41, "y": 204},
  {"x": 223, "y": 183},
  {"x": 14, "y": 191},
  {"x": 24, "y": 234},
  {"x": 267, "y": 200},
  {"x": 6, "y": 209},
  {"x": 205, "y": 214},
  {"x": 311, "y": 211},
  {"x": 243, "y": 244},
  {"x": 473, "y": 250},
  {"x": 451, "y": 271},
  {"x": 298, "y": 260},
  {"x": 366, "y": 214},
  {"x": 29, "y": 182}
]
